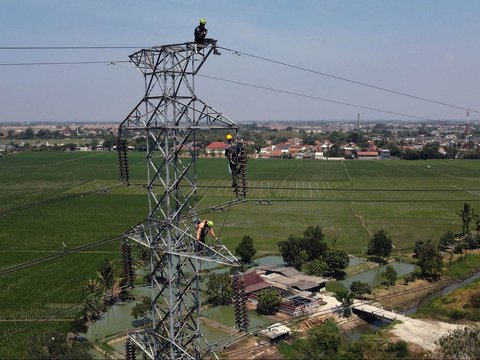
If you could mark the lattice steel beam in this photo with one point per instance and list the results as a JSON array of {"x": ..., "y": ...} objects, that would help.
[{"x": 169, "y": 115}]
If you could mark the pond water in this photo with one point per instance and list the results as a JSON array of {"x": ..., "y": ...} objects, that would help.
[
  {"x": 225, "y": 315},
  {"x": 373, "y": 277},
  {"x": 118, "y": 318},
  {"x": 353, "y": 260},
  {"x": 270, "y": 260},
  {"x": 212, "y": 336}
]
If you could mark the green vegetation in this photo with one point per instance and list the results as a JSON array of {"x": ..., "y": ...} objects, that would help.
[
  {"x": 464, "y": 265},
  {"x": 53, "y": 198},
  {"x": 459, "y": 344},
  {"x": 467, "y": 215},
  {"x": 291, "y": 351},
  {"x": 219, "y": 289},
  {"x": 245, "y": 249},
  {"x": 54, "y": 345},
  {"x": 335, "y": 287},
  {"x": 390, "y": 275},
  {"x": 325, "y": 342},
  {"x": 359, "y": 288},
  {"x": 429, "y": 259},
  {"x": 322, "y": 342},
  {"x": 312, "y": 252},
  {"x": 268, "y": 301},
  {"x": 140, "y": 310},
  {"x": 462, "y": 303},
  {"x": 380, "y": 245}
]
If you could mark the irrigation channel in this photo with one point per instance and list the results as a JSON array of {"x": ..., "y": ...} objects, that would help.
[{"x": 118, "y": 319}]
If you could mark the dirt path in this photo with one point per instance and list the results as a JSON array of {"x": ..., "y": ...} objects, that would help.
[
  {"x": 400, "y": 295},
  {"x": 217, "y": 325},
  {"x": 360, "y": 218},
  {"x": 423, "y": 333}
]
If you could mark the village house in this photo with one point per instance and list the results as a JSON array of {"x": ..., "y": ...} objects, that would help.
[
  {"x": 300, "y": 292},
  {"x": 367, "y": 155},
  {"x": 215, "y": 148}
]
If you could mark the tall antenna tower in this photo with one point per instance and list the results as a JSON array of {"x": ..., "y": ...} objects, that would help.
[
  {"x": 169, "y": 115},
  {"x": 358, "y": 128},
  {"x": 467, "y": 132}
]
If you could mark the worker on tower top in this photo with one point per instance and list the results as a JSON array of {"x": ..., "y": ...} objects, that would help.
[{"x": 200, "y": 34}]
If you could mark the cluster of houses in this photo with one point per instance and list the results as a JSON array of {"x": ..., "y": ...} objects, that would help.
[
  {"x": 300, "y": 292},
  {"x": 40, "y": 145},
  {"x": 295, "y": 149}
]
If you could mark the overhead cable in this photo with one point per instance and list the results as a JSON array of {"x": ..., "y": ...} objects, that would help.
[
  {"x": 66, "y": 47},
  {"x": 337, "y": 77},
  {"x": 338, "y": 189},
  {"x": 114, "y": 62},
  {"x": 106, "y": 62},
  {"x": 316, "y": 98},
  {"x": 351, "y": 81}
]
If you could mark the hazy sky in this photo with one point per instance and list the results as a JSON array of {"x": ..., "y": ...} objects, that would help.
[{"x": 427, "y": 48}]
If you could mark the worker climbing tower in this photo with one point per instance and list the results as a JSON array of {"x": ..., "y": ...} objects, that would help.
[
  {"x": 169, "y": 116},
  {"x": 122, "y": 159},
  {"x": 242, "y": 185}
]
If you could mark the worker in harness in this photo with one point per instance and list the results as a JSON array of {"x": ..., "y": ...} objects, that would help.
[
  {"x": 200, "y": 34},
  {"x": 232, "y": 152},
  {"x": 203, "y": 228}
]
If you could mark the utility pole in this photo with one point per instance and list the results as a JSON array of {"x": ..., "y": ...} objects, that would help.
[{"x": 169, "y": 115}]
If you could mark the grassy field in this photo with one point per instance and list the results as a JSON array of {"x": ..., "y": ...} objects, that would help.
[{"x": 48, "y": 199}]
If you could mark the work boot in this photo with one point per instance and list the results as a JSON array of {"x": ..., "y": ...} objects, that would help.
[{"x": 216, "y": 52}]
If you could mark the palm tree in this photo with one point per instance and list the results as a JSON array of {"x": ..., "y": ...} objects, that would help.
[
  {"x": 93, "y": 306},
  {"x": 107, "y": 278},
  {"x": 467, "y": 215}
]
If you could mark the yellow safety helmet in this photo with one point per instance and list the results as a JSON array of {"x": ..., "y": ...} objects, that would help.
[
  {"x": 203, "y": 21},
  {"x": 229, "y": 137}
]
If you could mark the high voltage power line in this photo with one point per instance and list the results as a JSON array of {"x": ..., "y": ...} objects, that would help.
[
  {"x": 66, "y": 47},
  {"x": 278, "y": 62},
  {"x": 317, "y": 98},
  {"x": 352, "y": 81},
  {"x": 106, "y": 62},
  {"x": 105, "y": 189},
  {"x": 338, "y": 189},
  {"x": 114, "y": 62}
]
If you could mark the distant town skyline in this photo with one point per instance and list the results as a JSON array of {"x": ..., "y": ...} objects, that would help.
[{"x": 422, "y": 48}]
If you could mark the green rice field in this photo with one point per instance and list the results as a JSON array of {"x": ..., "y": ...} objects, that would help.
[{"x": 50, "y": 201}]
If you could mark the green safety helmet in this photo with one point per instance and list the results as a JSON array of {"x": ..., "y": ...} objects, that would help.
[
  {"x": 203, "y": 21},
  {"x": 210, "y": 223}
]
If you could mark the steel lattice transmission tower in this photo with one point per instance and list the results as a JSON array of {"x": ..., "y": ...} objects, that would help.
[{"x": 169, "y": 115}]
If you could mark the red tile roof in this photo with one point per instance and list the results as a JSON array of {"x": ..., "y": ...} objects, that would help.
[
  {"x": 216, "y": 145},
  {"x": 367, "y": 153},
  {"x": 254, "y": 282},
  {"x": 276, "y": 153}
]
